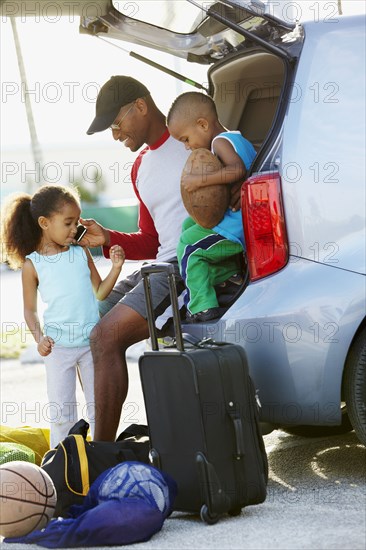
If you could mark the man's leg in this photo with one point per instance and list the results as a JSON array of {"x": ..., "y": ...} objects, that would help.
[
  {"x": 119, "y": 291},
  {"x": 116, "y": 331},
  {"x": 121, "y": 327}
]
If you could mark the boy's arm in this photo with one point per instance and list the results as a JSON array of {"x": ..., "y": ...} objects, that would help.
[
  {"x": 235, "y": 195},
  {"x": 103, "y": 287},
  {"x": 233, "y": 168}
]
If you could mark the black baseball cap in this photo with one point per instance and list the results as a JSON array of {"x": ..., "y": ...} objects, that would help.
[{"x": 114, "y": 94}]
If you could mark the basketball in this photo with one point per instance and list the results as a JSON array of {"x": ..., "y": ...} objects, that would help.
[
  {"x": 27, "y": 498},
  {"x": 206, "y": 205}
]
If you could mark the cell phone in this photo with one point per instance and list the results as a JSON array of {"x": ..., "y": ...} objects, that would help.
[{"x": 80, "y": 232}]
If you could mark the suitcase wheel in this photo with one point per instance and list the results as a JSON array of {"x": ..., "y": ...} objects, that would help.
[{"x": 207, "y": 517}]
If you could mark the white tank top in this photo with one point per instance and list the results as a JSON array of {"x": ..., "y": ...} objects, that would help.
[{"x": 65, "y": 287}]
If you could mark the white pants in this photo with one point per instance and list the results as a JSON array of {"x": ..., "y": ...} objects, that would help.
[{"x": 62, "y": 366}]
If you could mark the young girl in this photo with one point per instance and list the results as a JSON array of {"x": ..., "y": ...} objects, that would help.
[{"x": 38, "y": 236}]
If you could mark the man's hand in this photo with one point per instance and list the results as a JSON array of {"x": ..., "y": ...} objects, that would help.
[
  {"x": 45, "y": 346},
  {"x": 96, "y": 234},
  {"x": 235, "y": 192}
]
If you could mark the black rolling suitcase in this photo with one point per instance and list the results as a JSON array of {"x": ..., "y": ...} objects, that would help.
[{"x": 202, "y": 415}]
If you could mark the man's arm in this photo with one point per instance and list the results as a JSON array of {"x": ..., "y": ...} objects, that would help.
[{"x": 143, "y": 244}]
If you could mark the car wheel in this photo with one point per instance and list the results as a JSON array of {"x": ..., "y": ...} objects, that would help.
[
  {"x": 355, "y": 386},
  {"x": 321, "y": 431}
]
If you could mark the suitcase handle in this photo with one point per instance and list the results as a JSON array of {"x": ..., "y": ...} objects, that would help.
[{"x": 146, "y": 271}]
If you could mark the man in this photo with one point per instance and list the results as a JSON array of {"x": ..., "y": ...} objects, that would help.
[{"x": 126, "y": 107}]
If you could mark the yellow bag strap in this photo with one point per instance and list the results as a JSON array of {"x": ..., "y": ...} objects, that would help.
[{"x": 84, "y": 467}]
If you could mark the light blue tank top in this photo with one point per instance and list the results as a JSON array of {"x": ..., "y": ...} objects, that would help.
[
  {"x": 65, "y": 287},
  {"x": 231, "y": 225}
]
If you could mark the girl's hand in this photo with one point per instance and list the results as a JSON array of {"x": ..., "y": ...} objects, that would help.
[
  {"x": 117, "y": 255},
  {"x": 45, "y": 346}
]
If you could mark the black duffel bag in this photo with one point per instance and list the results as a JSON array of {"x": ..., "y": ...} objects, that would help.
[{"x": 75, "y": 463}]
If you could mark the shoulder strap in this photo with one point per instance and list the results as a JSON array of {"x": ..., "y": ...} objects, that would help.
[{"x": 82, "y": 459}]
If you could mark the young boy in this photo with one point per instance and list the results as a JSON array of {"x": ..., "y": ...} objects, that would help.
[{"x": 208, "y": 257}]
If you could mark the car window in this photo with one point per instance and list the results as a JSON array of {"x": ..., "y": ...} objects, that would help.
[{"x": 175, "y": 15}]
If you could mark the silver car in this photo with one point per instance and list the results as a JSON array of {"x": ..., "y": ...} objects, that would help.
[{"x": 297, "y": 92}]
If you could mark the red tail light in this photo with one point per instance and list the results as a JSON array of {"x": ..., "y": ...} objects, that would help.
[{"x": 264, "y": 225}]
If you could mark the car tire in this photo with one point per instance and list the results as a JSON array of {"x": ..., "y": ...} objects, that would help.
[
  {"x": 355, "y": 386},
  {"x": 321, "y": 431}
]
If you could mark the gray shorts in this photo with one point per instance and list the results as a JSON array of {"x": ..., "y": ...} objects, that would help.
[{"x": 130, "y": 292}]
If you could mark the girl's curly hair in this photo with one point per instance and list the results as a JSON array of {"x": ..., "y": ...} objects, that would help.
[{"x": 20, "y": 231}]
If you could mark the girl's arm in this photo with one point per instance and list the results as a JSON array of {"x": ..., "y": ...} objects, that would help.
[
  {"x": 233, "y": 168},
  {"x": 103, "y": 287},
  {"x": 30, "y": 284}
]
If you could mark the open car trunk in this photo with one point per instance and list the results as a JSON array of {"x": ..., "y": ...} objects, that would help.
[
  {"x": 251, "y": 57},
  {"x": 246, "y": 91},
  {"x": 250, "y": 53}
]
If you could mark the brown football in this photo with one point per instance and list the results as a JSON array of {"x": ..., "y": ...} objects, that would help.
[{"x": 207, "y": 205}]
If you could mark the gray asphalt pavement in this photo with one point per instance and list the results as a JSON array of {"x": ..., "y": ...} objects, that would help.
[{"x": 316, "y": 492}]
